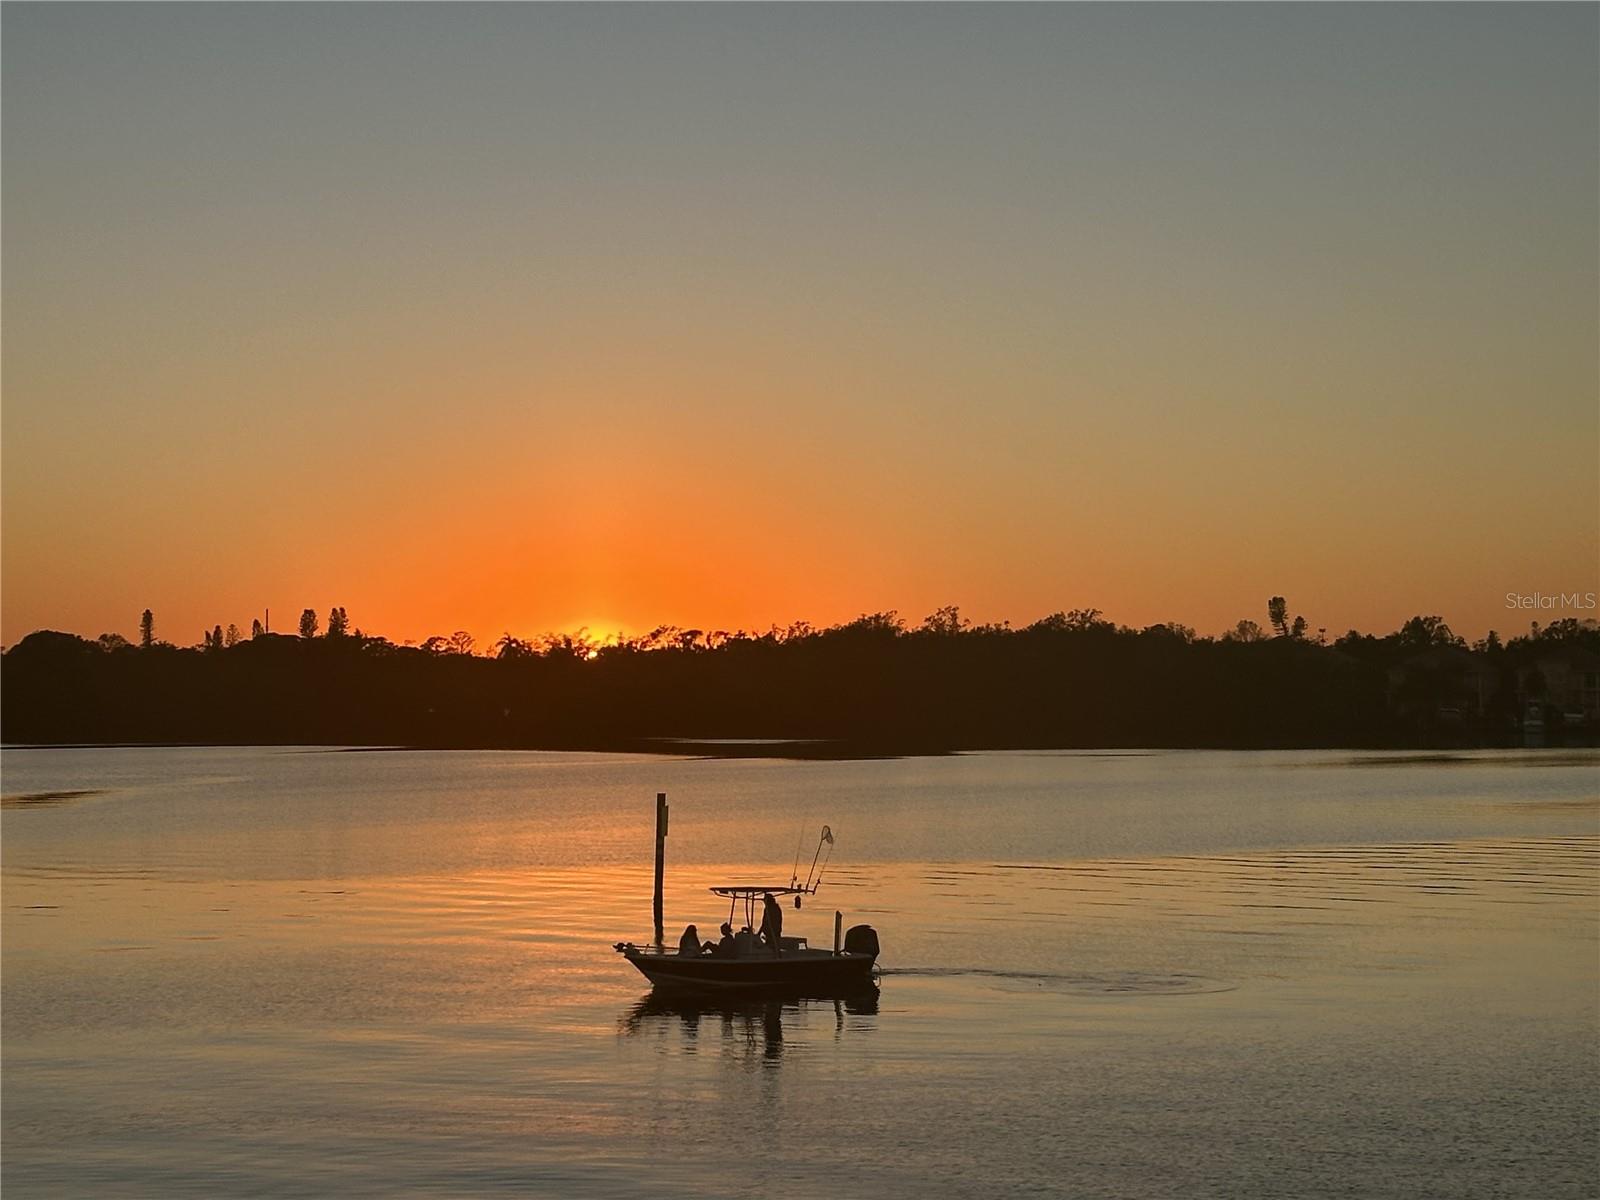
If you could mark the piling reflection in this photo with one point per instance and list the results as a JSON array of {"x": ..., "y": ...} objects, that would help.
[{"x": 749, "y": 1027}]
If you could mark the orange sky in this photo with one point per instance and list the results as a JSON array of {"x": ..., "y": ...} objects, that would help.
[{"x": 630, "y": 317}]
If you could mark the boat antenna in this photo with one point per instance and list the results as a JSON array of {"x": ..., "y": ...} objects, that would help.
[{"x": 827, "y": 836}]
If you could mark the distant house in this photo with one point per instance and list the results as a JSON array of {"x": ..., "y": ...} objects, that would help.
[
  {"x": 1563, "y": 679},
  {"x": 1443, "y": 684}
]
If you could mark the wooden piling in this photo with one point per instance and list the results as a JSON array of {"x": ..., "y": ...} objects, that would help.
[{"x": 661, "y": 859}]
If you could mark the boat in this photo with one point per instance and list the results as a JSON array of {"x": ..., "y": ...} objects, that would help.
[{"x": 747, "y": 963}]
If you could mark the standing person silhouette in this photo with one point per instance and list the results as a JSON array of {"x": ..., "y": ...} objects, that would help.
[{"x": 772, "y": 923}]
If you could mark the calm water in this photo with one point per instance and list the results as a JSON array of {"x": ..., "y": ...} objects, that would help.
[{"x": 311, "y": 973}]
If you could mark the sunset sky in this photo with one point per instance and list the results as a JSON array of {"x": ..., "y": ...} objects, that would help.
[{"x": 519, "y": 318}]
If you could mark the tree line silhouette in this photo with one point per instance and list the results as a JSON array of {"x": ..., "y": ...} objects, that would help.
[{"x": 874, "y": 685}]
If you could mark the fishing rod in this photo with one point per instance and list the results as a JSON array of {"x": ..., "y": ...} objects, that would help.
[
  {"x": 825, "y": 839},
  {"x": 799, "y": 844}
]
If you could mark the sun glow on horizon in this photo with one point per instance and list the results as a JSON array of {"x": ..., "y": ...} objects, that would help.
[
  {"x": 599, "y": 631},
  {"x": 873, "y": 337}
]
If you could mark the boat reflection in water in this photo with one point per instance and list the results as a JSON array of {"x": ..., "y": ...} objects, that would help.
[{"x": 749, "y": 1024}]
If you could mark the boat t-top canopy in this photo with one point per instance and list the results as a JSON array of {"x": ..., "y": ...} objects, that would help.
[
  {"x": 751, "y": 895},
  {"x": 752, "y": 892}
]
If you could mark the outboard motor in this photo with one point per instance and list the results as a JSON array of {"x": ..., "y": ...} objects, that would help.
[{"x": 861, "y": 939}]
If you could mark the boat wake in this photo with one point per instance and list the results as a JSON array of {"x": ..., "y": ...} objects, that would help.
[{"x": 1118, "y": 983}]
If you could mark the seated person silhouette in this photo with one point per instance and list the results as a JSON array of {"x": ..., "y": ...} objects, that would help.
[
  {"x": 689, "y": 944},
  {"x": 727, "y": 946}
]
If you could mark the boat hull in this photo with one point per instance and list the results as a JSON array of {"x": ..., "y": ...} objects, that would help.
[{"x": 813, "y": 973}]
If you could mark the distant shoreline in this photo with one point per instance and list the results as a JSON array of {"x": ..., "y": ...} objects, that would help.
[
  {"x": 786, "y": 749},
  {"x": 797, "y": 749},
  {"x": 870, "y": 689}
]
